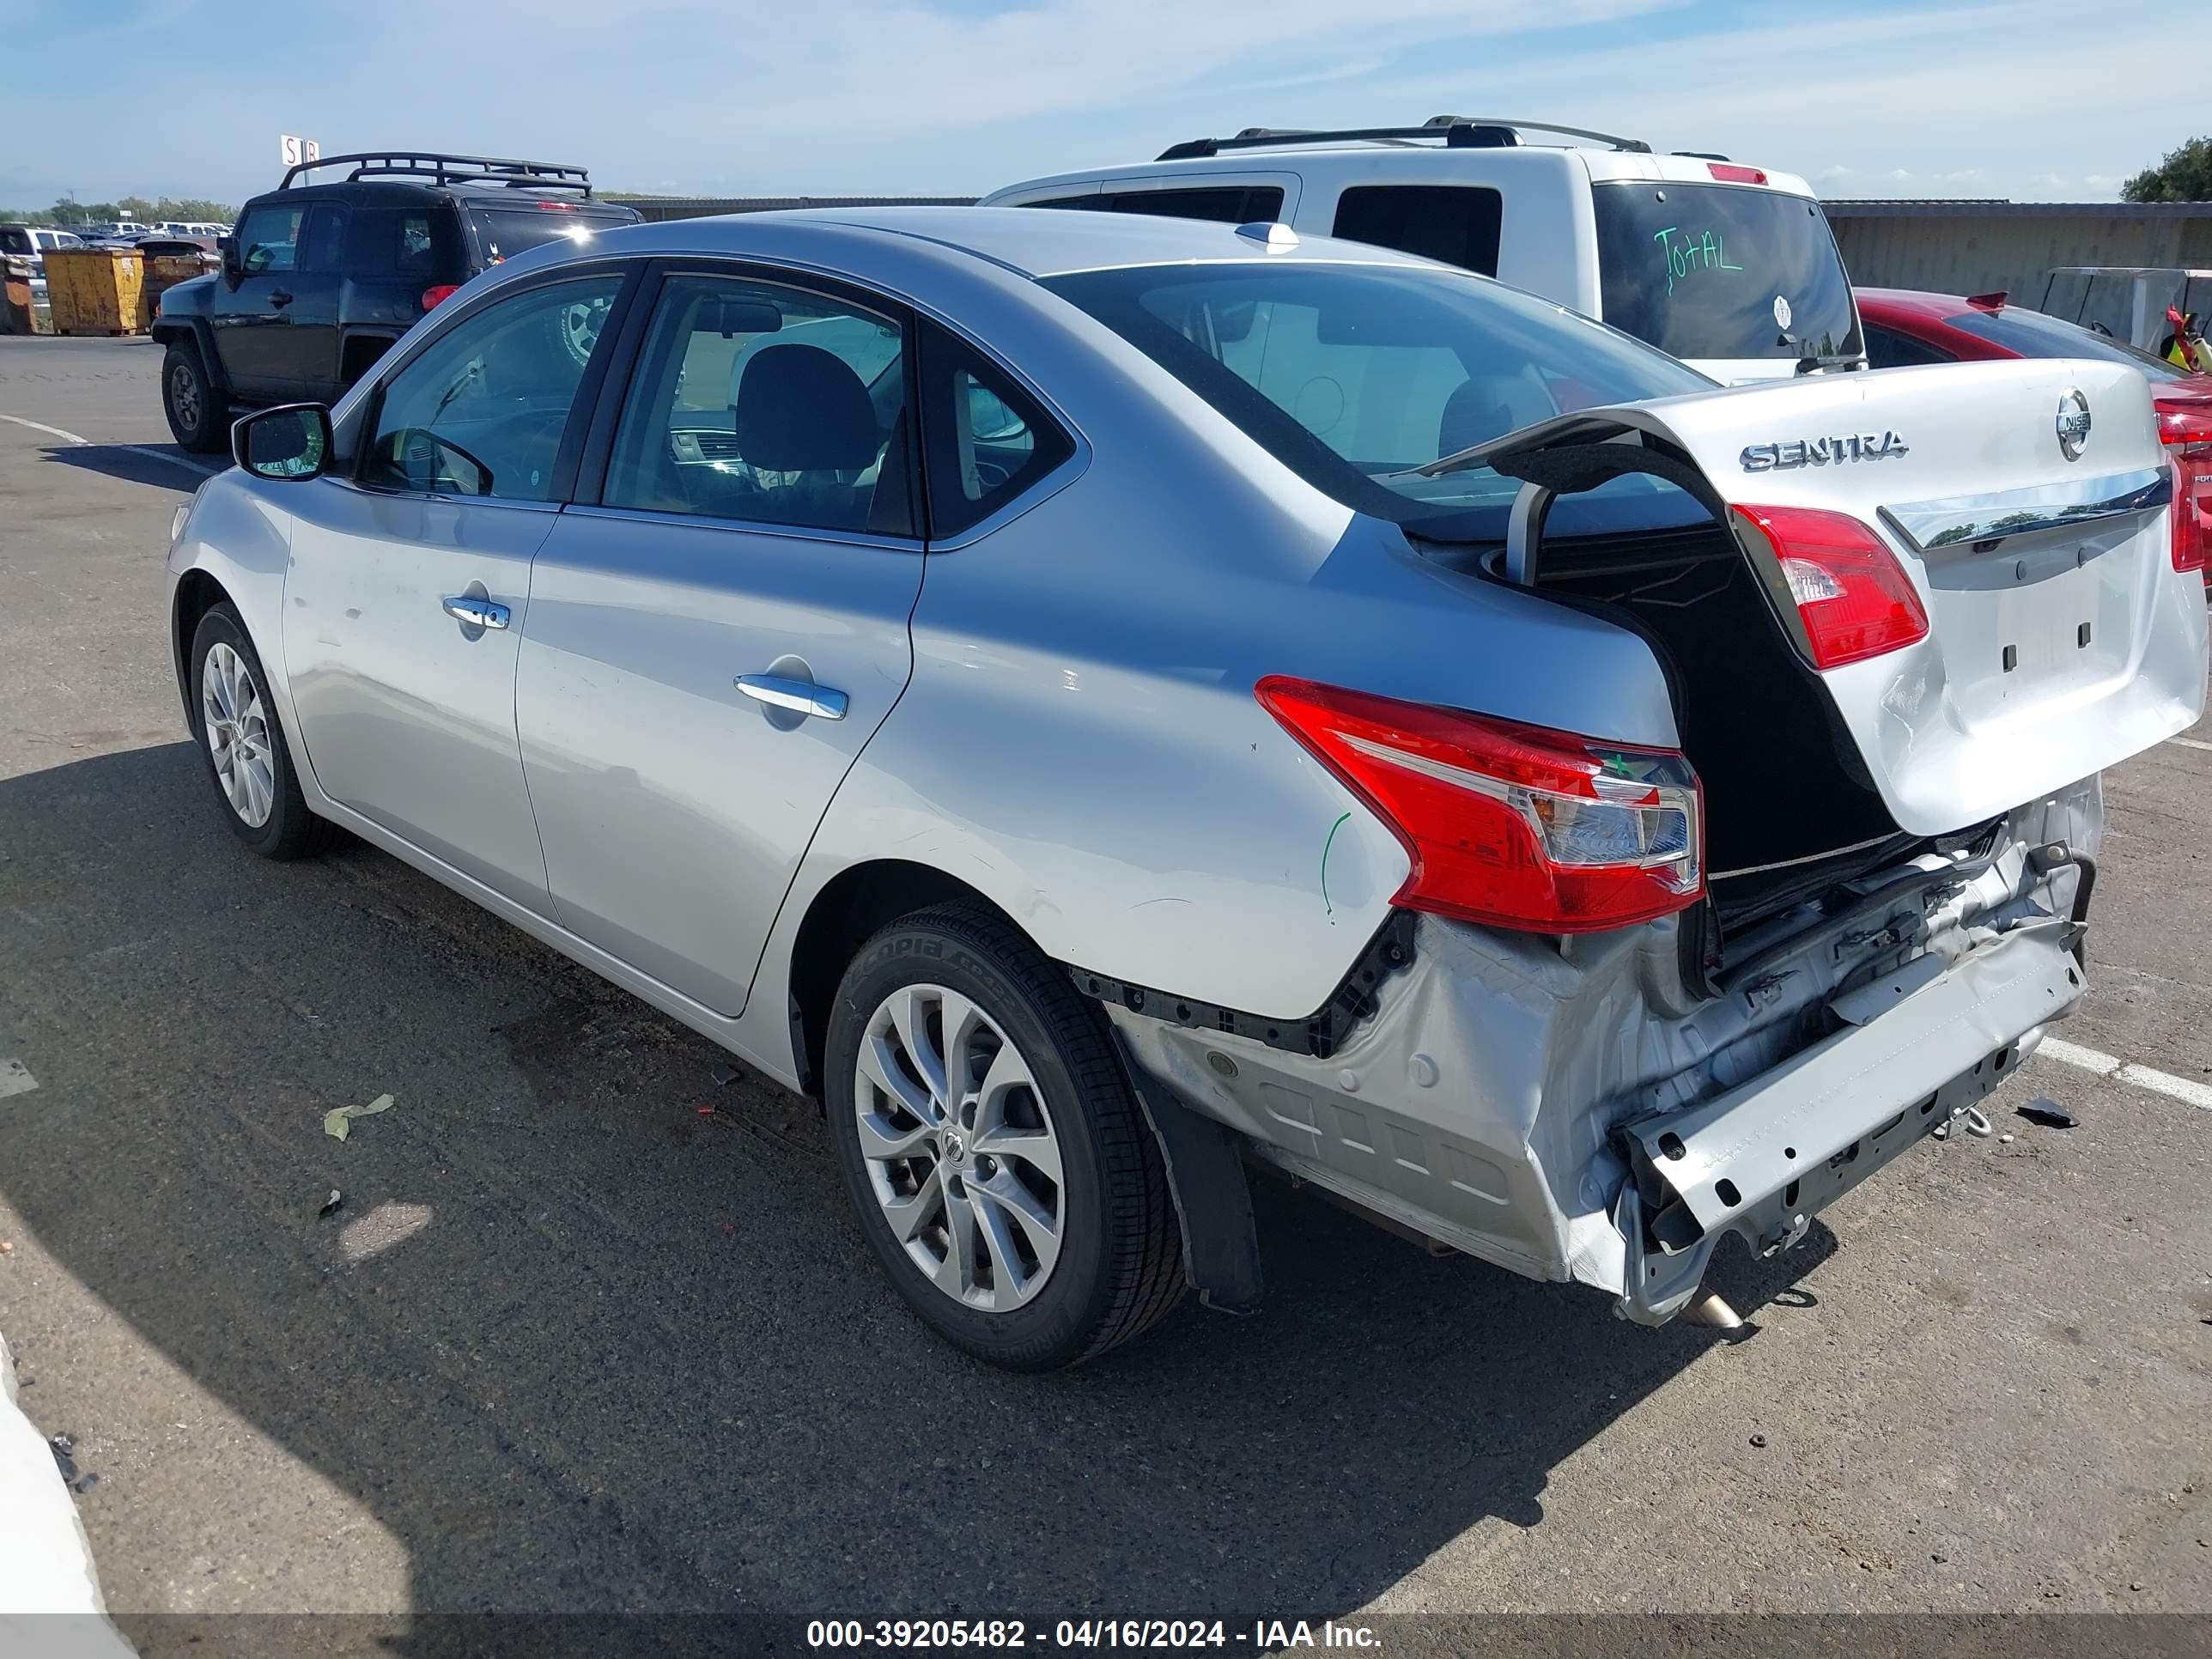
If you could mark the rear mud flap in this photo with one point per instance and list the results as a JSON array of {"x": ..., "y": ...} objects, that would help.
[{"x": 1919, "y": 1044}]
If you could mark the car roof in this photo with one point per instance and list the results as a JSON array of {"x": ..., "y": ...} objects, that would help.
[
  {"x": 1601, "y": 163},
  {"x": 1915, "y": 302},
  {"x": 1030, "y": 241}
]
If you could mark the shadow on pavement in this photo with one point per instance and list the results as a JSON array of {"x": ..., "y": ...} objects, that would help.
[
  {"x": 163, "y": 466},
  {"x": 579, "y": 1347}
]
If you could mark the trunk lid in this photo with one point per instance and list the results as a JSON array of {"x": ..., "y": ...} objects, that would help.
[{"x": 2028, "y": 504}]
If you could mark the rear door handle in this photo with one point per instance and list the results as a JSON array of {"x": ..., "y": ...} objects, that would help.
[
  {"x": 475, "y": 612},
  {"x": 280, "y": 298},
  {"x": 800, "y": 696}
]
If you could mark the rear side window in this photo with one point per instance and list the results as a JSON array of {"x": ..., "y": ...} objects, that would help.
[
  {"x": 14, "y": 241},
  {"x": 766, "y": 404},
  {"x": 1233, "y": 204},
  {"x": 323, "y": 237},
  {"x": 1093, "y": 203},
  {"x": 1456, "y": 224},
  {"x": 502, "y": 233},
  {"x": 1888, "y": 348},
  {"x": 416, "y": 242},
  {"x": 1726, "y": 271},
  {"x": 986, "y": 440}
]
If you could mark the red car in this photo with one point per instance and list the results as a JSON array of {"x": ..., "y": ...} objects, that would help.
[{"x": 1903, "y": 327}]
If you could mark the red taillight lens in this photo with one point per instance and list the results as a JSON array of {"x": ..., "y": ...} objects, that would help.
[
  {"x": 2188, "y": 436},
  {"x": 1508, "y": 825},
  {"x": 434, "y": 297},
  {"x": 2192, "y": 508},
  {"x": 1855, "y": 598},
  {"x": 1729, "y": 173}
]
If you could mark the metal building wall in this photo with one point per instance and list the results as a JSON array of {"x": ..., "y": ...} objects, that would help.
[{"x": 1959, "y": 250}]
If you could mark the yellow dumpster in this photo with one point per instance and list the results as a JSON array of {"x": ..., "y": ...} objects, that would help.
[
  {"x": 166, "y": 271},
  {"x": 94, "y": 290}
]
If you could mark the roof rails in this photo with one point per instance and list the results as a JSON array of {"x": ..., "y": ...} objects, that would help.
[
  {"x": 442, "y": 169},
  {"x": 1458, "y": 132}
]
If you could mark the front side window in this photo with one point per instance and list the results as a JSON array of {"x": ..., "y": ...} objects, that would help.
[
  {"x": 987, "y": 440},
  {"x": 482, "y": 409},
  {"x": 1721, "y": 272},
  {"x": 1354, "y": 376},
  {"x": 1454, "y": 224},
  {"x": 269, "y": 241},
  {"x": 767, "y": 403}
]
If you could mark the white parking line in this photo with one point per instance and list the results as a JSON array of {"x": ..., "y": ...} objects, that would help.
[
  {"x": 135, "y": 449},
  {"x": 2191, "y": 742},
  {"x": 2126, "y": 1071},
  {"x": 16, "y": 1078},
  {"x": 40, "y": 426}
]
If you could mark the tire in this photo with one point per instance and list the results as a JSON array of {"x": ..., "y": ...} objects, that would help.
[
  {"x": 258, "y": 791},
  {"x": 1116, "y": 1261},
  {"x": 200, "y": 416}
]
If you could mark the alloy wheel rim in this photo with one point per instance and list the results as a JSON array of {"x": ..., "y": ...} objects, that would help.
[
  {"x": 185, "y": 395},
  {"x": 960, "y": 1148},
  {"x": 580, "y": 327},
  {"x": 236, "y": 725}
]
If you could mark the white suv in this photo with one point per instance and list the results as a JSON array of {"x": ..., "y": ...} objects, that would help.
[{"x": 1730, "y": 268}]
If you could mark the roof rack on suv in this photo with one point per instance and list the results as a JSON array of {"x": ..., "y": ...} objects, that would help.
[
  {"x": 1458, "y": 132},
  {"x": 450, "y": 170}
]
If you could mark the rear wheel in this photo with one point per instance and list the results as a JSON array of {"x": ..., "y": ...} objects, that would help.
[
  {"x": 198, "y": 414},
  {"x": 1002, "y": 1170}
]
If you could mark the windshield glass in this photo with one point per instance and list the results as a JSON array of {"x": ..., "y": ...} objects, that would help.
[
  {"x": 1721, "y": 272},
  {"x": 1352, "y": 375},
  {"x": 2032, "y": 334},
  {"x": 505, "y": 232}
]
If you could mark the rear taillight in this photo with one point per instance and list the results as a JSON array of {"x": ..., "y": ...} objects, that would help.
[
  {"x": 1505, "y": 824},
  {"x": 434, "y": 297},
  {"x": 1729, "y": 173},
  {"x": 1854, "y": 598},
  {"x": 2188, "y": 435}
]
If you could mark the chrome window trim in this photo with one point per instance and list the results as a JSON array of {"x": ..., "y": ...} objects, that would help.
[
  {"x": 1981, "y": 521},
  {"x": 802, "y": 532}
]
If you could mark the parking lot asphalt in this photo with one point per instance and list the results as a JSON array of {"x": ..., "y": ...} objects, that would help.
[{"x": 569, "y": 1344}]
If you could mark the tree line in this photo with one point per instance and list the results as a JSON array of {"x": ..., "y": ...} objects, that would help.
[{"x": 65, "y": 213}]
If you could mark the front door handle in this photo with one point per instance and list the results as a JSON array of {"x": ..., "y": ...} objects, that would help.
[
  {"x": 280, "y": 298},
  {"x": 800, "y": 696},
  {"x": 475, "y": 612}
]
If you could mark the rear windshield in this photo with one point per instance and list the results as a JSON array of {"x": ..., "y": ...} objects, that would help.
[
  {"x": 2032, "y": 334},
  {"x": 1352, "y": 375},
  {"x": 502, "y": 233},
  {"x": 1723, "y": 271}
]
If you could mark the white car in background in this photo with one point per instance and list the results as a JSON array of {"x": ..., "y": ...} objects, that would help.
[{"x": 1729, "y": 267}]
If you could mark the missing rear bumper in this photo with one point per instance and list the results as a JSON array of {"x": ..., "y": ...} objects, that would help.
[{"x": 1761, "y": 1160}]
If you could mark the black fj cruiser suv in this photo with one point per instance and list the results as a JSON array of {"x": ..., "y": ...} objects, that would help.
[{"x": 320, "y": 279}]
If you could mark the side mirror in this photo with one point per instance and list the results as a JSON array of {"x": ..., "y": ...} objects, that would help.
[
  {"x": 225, "y": 250},
  {"x": 285, "y": 444}
]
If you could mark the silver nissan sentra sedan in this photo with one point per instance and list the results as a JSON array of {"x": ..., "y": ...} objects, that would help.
[{"x": 1100, "y": 701}]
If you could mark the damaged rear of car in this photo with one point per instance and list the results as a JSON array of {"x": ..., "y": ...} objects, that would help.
[{"x": 1636, "y": 997}]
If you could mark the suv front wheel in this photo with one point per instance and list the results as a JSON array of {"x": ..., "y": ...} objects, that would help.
[
  {"x": 1002, "y": 1169},
  {"x": 198, "y": 414}
]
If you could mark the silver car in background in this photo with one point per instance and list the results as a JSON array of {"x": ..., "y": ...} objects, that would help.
[{"x": 1095, "y": 700}]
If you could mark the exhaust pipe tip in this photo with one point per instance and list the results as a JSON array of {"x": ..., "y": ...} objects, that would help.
[{"x": 1712, "y": 1311}]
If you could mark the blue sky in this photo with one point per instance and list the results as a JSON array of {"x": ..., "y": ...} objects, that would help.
[{"x": 2040, "y": 100}]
